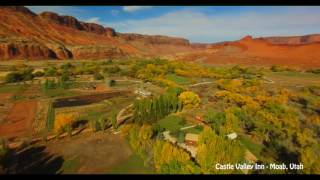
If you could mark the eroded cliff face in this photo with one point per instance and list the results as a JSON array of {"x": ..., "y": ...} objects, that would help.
[
  {"x": 69, "y": 21},
  {"x": 48, "y": 35},
  {"x": 15, "y": 48},
  {"x": 25, "y": 51}
]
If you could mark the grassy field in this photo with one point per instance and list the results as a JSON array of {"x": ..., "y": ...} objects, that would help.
[
  {"x": 293, "y": 79},
  {"x": 172, "y": 123},
  {"x": 194, "y": 130},
  {"x": 178, "y": 79},
  {"x": 12, "y": 88},
  {"x": 134, "y": 165},
  {"x": 59, "y": 92}
]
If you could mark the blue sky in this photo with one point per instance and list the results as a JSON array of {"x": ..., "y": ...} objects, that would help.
[{"x": 199, "y": 23}]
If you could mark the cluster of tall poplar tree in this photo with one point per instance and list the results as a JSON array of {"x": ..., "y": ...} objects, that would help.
[{"x": 153, "y": 109}]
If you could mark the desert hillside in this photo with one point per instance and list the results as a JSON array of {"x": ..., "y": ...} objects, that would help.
[
  {"x": 289, "y": 51},
  {"x": 26, "y": 35}
]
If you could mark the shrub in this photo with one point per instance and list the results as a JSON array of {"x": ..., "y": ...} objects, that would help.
[
  {"x": 98, "y": 76},
  {"x": 112, "y": 69},
  {"x": 189, "y": 99},
  {"x": 65, "y": 77},
  {"x": 22, "y": 75},
  {"x": 38, "y": 74},
  {"x": 314, "y": 71},
  {"x": 112, "y": 83},
  {"x": 13, "y": 77},
  {"x": 277, "y": 68},
  {"x": 51, "y": 71}
]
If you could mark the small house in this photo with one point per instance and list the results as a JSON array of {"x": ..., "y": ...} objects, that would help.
[{"x": 191, "y": 139}]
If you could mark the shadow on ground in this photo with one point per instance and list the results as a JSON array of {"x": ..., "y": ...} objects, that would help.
[{"x": 33, "y": 160}]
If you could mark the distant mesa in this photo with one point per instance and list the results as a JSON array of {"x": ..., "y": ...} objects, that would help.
[
  {"x": 48, "y": 35},
  {"x": 247, "y": 38}
]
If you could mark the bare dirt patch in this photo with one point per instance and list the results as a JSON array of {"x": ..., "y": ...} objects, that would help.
[
  {"x": 18, "y": 123},
  {"x": 5, "y": 105},
  {"x": 96, "y": 153}
]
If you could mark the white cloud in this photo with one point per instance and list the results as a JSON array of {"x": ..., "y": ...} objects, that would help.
[
  {"x": 93, "y": 20},
  {"x": 201, "y": 27},
  {"x": 134, "y": 8}
]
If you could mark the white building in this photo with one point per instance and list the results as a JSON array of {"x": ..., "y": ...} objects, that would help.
[
  {"x": 142, "y": 92},
  {"x": 232, "y": 136}
]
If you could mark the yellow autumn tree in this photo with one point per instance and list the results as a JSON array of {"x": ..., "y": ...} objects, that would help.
[
  {"x": 189, "y": 99},
  {"x": 62, "y": 120},
  {"x": 213, "y": 149},
  {"x": 171, "y": 159},
  {"x": 310, "y": 158},
  {"x": 140, "y": 139}
]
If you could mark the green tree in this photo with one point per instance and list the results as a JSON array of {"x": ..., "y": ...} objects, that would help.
[
  {"x": 113, "y": 119},
  {"x": 102, "y": 123},
  {"x": 112, "y": 82}
]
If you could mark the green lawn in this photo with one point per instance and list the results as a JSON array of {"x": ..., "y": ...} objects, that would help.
[
  {"x": 194, "y": 130},
  {"x": 134, "y": 165},
  {"x": 172, "y": 123},
  {"x": 59, "y": 92},
  {"x": 178, "y": 79}
]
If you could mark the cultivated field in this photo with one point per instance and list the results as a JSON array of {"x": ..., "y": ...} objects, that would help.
[{"x": 69, "y": 110}]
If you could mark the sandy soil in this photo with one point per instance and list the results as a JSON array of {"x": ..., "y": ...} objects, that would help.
[
  {"x": 257, "y": 52},
  {"x": 18, "y": 123}
]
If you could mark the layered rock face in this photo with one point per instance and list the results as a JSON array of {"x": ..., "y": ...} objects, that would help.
[
  {"x": 25, "y": 51},
  {"x": 48, "y": 35},
  {"x": 72, "y": 22}
]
